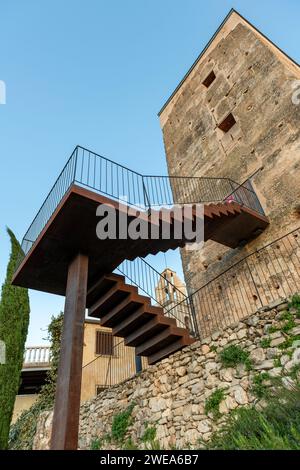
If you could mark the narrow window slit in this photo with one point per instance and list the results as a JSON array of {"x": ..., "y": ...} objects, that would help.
[
  {"x": 209, "y": 79},
  {"x": 227, "y": 123}
]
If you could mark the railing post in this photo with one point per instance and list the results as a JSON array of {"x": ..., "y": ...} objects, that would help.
[
  {"x": 75, "y": 164},
  {"x": 194, "y": 316},
  {"x": 253, "y": 282},
  {"x": 138, "y": 364}
]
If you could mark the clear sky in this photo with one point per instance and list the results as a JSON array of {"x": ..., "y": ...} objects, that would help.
[{"x": 96, "y": 73}]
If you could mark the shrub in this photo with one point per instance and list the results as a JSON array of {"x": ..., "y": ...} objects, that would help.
[
  {"x": 265, "y": 342},
  {"x": 289, "y": 342},
  {"x": 285, "y": 315},
  {"x": 272, "y": 329},
  {"x": 288, "y": 326},
  {"x": 295, "y": 301},
  {"x": 121, "y": 423},
  {"x": 259, "y": 388},
  {"x": 277, "y": 426},
  {"x": 96, "y": 444},
  {"x": 289, "y": 322},
  {"x": 294, "y": 372},
  {"x": 233, "y": 355},
  {"x": 23, "y": 430},
  {"x": 149, "y": 438},
  {"x": 130, "y": 445},
  {"x": 119, "y": 428},
  {"x": 14, "y": 320},
  {"x": 277, "y": 362}
]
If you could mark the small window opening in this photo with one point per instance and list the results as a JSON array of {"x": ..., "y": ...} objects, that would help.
[
  {"x": 209, "y": 79},
  {"x": 227, "y": 123},
  {"x": 104, "y": 343}
]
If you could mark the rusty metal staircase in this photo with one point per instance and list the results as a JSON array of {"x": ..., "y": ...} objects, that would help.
[
  {"x": 131, "y": 316},
  {"x": 232, "y": 215},
  {"x": 121, "y": 307}
]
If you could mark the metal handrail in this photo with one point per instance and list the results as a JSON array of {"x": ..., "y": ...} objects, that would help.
[
  {"x": 143, "y": 275},
  {"x": 254, "y": 288}
]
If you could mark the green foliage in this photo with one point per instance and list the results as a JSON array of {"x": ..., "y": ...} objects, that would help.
[
  {"x": 47, "y": 394},
  {"x": 213, "y": 348},
  {"x": 119, "y": 428},
  {"x": 289, "y": 342},
  {"x": 265, "y": 342},
  {"x": 14, "y": 320},
  {"x": 259, "y": 388},
  {"x": 149, "y": 434},
  {"x": 23, "y": 430},
  {"x": 121, "y": 423},
  {"x": 288, "y": 326},
  {"x": 129, "y": 445},
  {"x": 233, "y": 355},
  {"x": 285, "y": 315},
  {"x": 212, "y": 403},
  {"x": 295, "y": 302},
  {"x": 289, "y": 322},
  {"x": 275, "y": 427},
  {"x": 294, "y": 372},
  {"x": 277, "y": 362},
  {"x": 96, "y": 444}
]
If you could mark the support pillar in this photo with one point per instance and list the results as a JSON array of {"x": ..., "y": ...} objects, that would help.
[{"x": 68, "y": 388}]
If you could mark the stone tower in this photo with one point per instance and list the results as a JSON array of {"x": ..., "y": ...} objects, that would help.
[
  {"x": 163, "y": 292},
  {"x": 173, "y": 299},
  {"x": 235, "y": 115}
]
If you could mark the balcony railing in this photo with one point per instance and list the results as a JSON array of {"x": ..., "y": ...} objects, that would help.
[
  {"x": 90, "y": 170},
  {"x": 268, "y": 275},
  {"x": 261, "y": 278}
]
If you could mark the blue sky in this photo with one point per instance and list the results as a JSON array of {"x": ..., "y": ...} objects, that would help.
[{"x": 96, "y": 73}]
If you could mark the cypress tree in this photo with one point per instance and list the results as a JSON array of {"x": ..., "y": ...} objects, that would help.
[{"x": 14, "y": 320}]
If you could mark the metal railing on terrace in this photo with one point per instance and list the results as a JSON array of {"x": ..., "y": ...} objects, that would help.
[
  {"x": 269, "y": 274},
  {"x": 37, "y": 356},
  {"x": 102, "y": 175},
  {"x": 108, "y": 370}
]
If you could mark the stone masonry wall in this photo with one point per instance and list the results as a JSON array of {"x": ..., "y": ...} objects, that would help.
[{"x": 171, "y": 395}]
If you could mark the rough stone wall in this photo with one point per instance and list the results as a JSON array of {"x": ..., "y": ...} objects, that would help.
[
  {"x": 171, "y": 395},
  {"x": 254, "y": 83}
]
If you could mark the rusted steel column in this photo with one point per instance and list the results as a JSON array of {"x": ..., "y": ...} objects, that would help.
[{"x": 67, "y": 398}]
